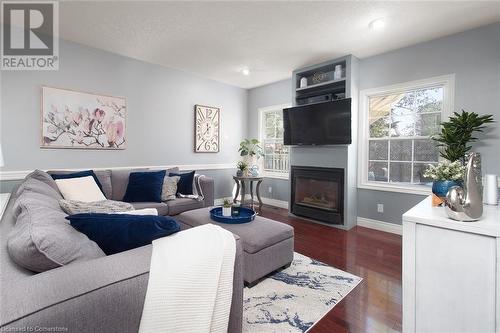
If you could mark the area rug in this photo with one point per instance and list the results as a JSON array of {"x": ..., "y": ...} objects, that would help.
[{"x": 294, "y": 299}]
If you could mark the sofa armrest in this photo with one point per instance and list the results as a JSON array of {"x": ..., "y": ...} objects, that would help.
[
  {"x": 100, "y": 295},
  {"x": 208, "y": 188}
]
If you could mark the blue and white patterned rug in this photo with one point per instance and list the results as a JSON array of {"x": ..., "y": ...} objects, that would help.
[{"x": 294, "y": 299}]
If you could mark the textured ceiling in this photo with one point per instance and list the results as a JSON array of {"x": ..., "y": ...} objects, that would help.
[{"x": 217, "y": 39}]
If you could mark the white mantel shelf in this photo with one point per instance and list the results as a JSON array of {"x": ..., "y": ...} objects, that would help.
[{"x": 424, "y": 213}]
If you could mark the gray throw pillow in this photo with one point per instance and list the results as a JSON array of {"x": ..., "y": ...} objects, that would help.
[
  {"x": 106, "y": 206},
  {"x": 36, "y": 186},
  {"x": 44, "y": 177},
  {"x": 47, "y": 195},
  {"x": 43, "y": 239},
  {"x": 169, "y": 188}
]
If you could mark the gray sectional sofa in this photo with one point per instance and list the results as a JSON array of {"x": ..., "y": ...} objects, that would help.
[{"x": 105, "y": 294}]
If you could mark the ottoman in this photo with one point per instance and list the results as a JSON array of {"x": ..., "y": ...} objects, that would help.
[{"x": 267, "y": 244}]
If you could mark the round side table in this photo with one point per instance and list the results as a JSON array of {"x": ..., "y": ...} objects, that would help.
[{"x": 240, "y": 186}]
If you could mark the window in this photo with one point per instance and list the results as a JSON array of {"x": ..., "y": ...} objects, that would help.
[
  {"x": 395, "y": 137},
  {"x": 275, "y": 162}
]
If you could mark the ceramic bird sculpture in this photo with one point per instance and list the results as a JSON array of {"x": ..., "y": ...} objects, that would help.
[{"x": 466, "y": 203}]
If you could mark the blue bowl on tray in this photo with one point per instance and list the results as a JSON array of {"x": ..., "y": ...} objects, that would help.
[{"x": 245, "y": 215}]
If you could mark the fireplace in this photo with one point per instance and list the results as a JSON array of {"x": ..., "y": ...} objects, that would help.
[{"x": 318, "y": 193}]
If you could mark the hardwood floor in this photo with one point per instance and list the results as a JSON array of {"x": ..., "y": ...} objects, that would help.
[{"x": 375, "y": 304}]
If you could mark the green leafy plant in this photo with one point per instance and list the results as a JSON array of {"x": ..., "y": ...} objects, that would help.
[
  {"x": 227, "y": 203},
  {"x": 457, "y": 133},
  {"x": 242, "y": 166},
  {"x": 445, "y": 170},
  {"x": 250, "y": 147}
]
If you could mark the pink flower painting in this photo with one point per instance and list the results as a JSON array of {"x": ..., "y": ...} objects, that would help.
[{"x": 72, "y": 119}]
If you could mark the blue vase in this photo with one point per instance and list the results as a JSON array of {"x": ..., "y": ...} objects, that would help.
[{"x": 441, "y": 187}]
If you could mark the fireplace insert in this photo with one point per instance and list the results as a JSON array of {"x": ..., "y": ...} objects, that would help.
[{"x": 318, "y": 193}]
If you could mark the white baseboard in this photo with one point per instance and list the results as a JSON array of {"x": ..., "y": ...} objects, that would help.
[
  {"x": 380, "y": 225},
  {"x": 266, "y": 201},
  {"x": 275, "y": 203}
]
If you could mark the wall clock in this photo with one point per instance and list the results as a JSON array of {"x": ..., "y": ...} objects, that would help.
[{"x": 207, "y": 129}]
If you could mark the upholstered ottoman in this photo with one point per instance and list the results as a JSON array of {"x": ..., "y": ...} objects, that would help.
[{"x": 267, "y": 244}]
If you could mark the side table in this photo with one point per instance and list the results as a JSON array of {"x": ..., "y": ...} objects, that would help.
[{"x": 240, "y": 186}]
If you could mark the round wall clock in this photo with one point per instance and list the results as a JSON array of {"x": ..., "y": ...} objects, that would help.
[{"x": 207, "y": 129}]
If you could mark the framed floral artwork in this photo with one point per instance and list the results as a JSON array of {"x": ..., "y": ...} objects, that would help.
[{"x": 73, "y": 119}]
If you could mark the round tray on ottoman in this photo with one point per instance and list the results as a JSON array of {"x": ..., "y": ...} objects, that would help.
[{"x": 246, "y": 215}]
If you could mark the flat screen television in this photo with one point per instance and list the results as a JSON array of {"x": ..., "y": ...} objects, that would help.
[{"x": 327, "y": 123}]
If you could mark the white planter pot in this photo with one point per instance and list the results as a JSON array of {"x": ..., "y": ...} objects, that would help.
[{"x": 226, "y": 211}]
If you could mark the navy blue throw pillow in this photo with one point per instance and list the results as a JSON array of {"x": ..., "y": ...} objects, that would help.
[
  {"x": 185, "y": 184},
  {"x": 121, "y": 232},
  {"x": 144, "y": 186},
  {"x": 79, "y": 174}
]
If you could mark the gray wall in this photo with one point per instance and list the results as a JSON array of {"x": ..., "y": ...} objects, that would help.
[
  {"x": 273, "y": 94},
  {"x": 160, "y": 115},
  {"x": 474, "y": 56}
]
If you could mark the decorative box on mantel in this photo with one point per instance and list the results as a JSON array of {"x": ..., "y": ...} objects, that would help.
[{"x": 451, "y": 273}]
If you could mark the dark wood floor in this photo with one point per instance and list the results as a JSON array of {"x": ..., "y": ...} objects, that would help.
[{"x": 375, "y": 304}]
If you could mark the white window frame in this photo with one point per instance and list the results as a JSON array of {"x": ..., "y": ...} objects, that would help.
[
  {"x": 262, "y": 111},
  {"x": 448, "y": 84}
]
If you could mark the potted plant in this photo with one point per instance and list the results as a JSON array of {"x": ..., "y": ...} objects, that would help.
[
  {"x": 250, "y": 150},
  {"x": 445, "y": 175},
  {"x": 226, "y": 207},
  {"x": 242, "y": 167},
  {"x": 456, "y": 134}
]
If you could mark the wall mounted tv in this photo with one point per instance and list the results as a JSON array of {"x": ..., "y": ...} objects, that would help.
[{"x": 326, "y": 123}]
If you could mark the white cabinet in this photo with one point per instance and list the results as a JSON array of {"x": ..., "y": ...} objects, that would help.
[{"x": 450, "y": 271}]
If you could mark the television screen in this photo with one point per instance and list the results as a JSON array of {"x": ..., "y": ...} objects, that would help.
[{"x": 326, "y": 123}]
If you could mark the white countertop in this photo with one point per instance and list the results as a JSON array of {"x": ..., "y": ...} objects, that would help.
[{"x": 424, "y": 213}]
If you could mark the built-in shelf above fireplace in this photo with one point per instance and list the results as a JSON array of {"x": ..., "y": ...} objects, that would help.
[{"x": 320, "y": 83}]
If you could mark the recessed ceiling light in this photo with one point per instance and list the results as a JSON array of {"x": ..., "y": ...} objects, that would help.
[
  {"x": 245, "y": 71},
  {"x": 378, "y": 24}
]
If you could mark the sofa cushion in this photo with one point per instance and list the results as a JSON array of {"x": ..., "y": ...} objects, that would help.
[
  {"x": 161, "y": 207},
  {"x": 72, "y": 207},
  {"x": 80, "y": 188},
  {"x": 104, "y": 177},
  {"x": 119, "y": 182},
  {"x": 169, "y": 189},
  {"x": 185, "y": 183},
  {"x": 121, "y": 232},
  {"x": 180, "y": 205},
  {"x": 144, "y": 186},
  {"x": 46, "y": 195},
  {"x": 43, "y": 177},
  {"x": 57, "y": 175},
  {"x": 42, "y": 238},
  {"x": 256, "y": 235},
  {"x": 37, "y": 186}
]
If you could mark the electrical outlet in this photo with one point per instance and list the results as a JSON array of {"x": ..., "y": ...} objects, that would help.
[
  {"x": 270, "y": 190},
  {"x": 380, "y": 208}
]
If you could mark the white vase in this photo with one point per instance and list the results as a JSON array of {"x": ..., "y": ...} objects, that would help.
[
  {"x": 303, "y": 82},
  {"x": 337, "y": 73},
  {"x": 250, "y": 161},
  {"x": 226, "y": 211}
]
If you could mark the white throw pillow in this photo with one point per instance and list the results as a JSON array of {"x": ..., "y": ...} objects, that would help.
[
  {"x": 82, "y": 189},
  {"x": 144, "y": 211}
]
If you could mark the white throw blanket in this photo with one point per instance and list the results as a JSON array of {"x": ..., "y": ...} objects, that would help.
[{"x": 190, "y": 282}]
